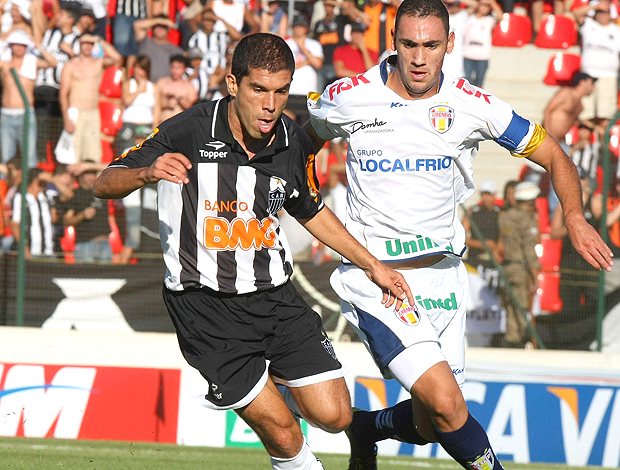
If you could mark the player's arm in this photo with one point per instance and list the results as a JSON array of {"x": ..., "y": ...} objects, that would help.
[
  {"x": 118, "y": 182},
  {"x": 317, "y": 142},
  {"x": 327, "y": 228},
  {"x": 566, "y": 183}
]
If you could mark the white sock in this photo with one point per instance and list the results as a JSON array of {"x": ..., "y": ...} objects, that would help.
[
  {"x": 289, "y": 400},
  {"x": 305, "y": 460}
]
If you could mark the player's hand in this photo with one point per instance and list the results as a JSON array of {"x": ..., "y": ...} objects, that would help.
[
  {"x": 170, "y": 167},
  {"x": 393, "y": 285},
  {"x": 588, "y": 243},
  {"x": 69, "y": 126}
]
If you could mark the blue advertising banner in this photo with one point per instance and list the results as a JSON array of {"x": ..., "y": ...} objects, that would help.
[{"x": 559, "y": 421}]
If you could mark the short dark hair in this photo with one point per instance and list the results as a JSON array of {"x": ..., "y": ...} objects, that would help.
[
  {"x": 262, "y": 51},
  {"x": 33, "y": 174},
  {"x": 73, "y": 10},
  {"x": 423, "y": 9},
  {"x": 179, "y": 58},
  {"x": 580, "y": 76}
]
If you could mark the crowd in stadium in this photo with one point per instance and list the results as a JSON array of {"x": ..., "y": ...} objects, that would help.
[{"x": 100, "y": 76}]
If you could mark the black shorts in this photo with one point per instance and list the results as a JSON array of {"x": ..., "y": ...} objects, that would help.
[{"x": 230, "y": 339}]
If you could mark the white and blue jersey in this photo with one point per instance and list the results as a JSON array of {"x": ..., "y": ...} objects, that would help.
[{"x": 409, "y": 162}]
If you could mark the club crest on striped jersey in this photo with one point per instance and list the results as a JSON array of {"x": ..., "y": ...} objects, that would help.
[
  {"x": 408, "y": 314},
  {"x": 277, "y": 194},
  {"x": 441, "y": 118}
]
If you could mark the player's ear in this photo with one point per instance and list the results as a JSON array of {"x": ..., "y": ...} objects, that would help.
[
  {"x": 450, "y": 42},
  {"x": 231, "y": 84},
  {"x": 393, "y": 39}
]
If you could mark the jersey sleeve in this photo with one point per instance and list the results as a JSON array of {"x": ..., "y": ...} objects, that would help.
[
  {"x": 324, "y": 115},
  {"x": 306, "y": 202},
  {"x": 520, "y": 136},
  {"x": 146, "y": 152}
]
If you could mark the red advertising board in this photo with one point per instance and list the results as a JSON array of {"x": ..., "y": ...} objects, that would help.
[{"x": 82, "y": 402}]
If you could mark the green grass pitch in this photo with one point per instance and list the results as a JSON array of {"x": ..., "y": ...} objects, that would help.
[{"x": 48, "y": 454}]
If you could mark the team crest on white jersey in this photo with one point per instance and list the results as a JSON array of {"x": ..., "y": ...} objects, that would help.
[
  {"x": 408, "y": 314},
  {"x": 277, "y": 194},
  {"x": 441, "y": 118}
]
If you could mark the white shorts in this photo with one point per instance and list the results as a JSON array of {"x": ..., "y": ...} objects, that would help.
[{"x": 407, "y": 343}]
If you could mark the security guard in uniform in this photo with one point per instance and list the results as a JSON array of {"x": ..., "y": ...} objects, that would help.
[{"x": 519, "y": 231}]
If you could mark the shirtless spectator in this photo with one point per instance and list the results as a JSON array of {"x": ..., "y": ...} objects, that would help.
[
  {"x": 157, "y": 48},
  {"x": 176, "y": 93},
  {"x": 79, "y": 96},
  {"x": 13, "y": 110},
  {"x": 562, "y": 111}
]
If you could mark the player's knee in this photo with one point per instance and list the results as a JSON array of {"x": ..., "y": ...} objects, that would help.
[
  {"x": 286, "y": 441},
  {"x": 448, "y": 412},
  {"x": 333, "y": 418}
]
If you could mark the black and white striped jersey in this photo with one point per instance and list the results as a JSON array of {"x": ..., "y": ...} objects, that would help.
[
  {"x": 213, "y": 47},
  {"x": 135, "y": 8},
  {"x": 221, "y": 230},
  {"x": 51, "y": 42},
  {"x": 39, "y": 230}
]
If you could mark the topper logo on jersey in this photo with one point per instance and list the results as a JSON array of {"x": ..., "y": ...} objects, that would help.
[
  {"x": 441, "y": 118},
  {"x": 347, "y": 84},
  {"x": 215, "y": 153},
  {"x": 221, "y": 235},
  {"x": 470, "y": 90},
  {"x": 408, "y": 314}
]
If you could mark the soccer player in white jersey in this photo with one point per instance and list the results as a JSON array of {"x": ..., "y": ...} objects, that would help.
[{"x": 412, "y": 135}]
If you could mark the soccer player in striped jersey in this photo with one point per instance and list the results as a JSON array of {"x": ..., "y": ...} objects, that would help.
[
  {"x": 412, "y": 135},
  {"x": 224, "y": 170}
]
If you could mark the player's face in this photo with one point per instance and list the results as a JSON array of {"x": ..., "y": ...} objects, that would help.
[
  {"x": 259, "y": 101},
  {"x": 421, "y": 44}
]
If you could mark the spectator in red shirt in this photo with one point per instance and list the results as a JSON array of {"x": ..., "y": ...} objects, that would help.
[{"x": 354, "y": 57}]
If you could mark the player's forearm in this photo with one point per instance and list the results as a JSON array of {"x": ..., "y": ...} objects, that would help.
[
  {"x": 564, "y": 177},
  {"x": 328, "y": 229},
  {"x": 116, "y": 183}
]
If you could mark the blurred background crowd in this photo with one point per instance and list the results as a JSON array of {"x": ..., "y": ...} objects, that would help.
[{"x": 100, "y": 75}]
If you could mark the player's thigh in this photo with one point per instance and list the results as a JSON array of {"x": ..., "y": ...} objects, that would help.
[
  {"x": 326, "y": 405},
  {"x": 299, "y": 351},
  {"x": 273, "y": 422},
  {"x": 224, "y": 337}
]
